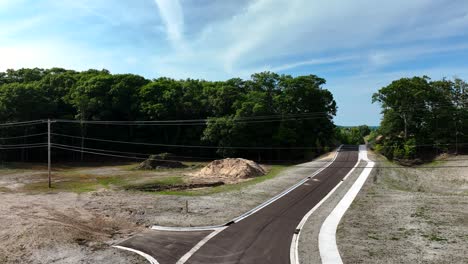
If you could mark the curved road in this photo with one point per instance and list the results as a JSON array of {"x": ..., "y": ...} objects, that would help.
[{"x": 263, "y": 237}]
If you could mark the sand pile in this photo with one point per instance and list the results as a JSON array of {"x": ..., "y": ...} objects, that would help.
[
  {"x": 160, "y": 161},
  {"x": 232, "y": 169}
]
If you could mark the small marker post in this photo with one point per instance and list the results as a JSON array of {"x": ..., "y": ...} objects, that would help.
[{"x": 48, "y": 153}]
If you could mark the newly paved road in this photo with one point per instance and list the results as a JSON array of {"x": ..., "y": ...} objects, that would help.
[{"x": 265, "y": 236}]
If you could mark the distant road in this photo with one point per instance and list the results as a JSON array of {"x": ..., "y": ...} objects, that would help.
[{"x": 263, "y": 237}]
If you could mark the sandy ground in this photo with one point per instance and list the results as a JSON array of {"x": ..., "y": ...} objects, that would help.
[
  {"x": 408, "y": 215},
  {"x": 67, "y": 227}
]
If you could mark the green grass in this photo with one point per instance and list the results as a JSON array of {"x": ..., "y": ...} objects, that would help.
[
  {"x": 18, "y": 167},
  {"x": 274, "y": 171},
  {"x": 4, "y": 189},
  {"x": 172, "y": 180},
  {"x": 373, "y": 236},
  {"x": 112, "y": 181},
  {"x": 72, "y": 180},
  {"x": 435, "y": 237},
  {"x": 63, "y": 186},
  {"x": 82, "y": 183}
]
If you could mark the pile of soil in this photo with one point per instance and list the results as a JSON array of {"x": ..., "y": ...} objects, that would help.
[
  {"x": 231, "y": 169},
  {"x": 160, "y": 161}
]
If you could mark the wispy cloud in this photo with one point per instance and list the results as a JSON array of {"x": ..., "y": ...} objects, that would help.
[
  {"x": 264, "y": 34},
  {"x": 173, "y": 17},
  {"x": 320, "y": 61},
  {"x": 356, "y": 45}
]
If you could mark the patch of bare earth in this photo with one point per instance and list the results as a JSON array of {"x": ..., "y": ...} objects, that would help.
[
  {"x": 59, "y": 228},
  {"x": 64, "y": 227},
  {"x": 409, "y": 215}
]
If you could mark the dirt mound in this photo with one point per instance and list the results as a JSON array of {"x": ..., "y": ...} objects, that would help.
[
  {"x": 160, "y": 161},
  {"x": 232, "y": 169}
]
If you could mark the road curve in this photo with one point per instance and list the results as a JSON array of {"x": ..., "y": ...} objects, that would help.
[{"x": 263, "y": 237}]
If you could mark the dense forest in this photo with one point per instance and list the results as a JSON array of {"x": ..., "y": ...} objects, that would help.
[
  {"x": 267, "y": 117},
  {"x": 422, "y": 118}
]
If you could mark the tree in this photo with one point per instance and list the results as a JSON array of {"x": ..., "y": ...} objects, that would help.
[
  {"x": 417, "y": 111},
  {"x": 274, "y": 116},
  {"x": 405, "y": 98}
]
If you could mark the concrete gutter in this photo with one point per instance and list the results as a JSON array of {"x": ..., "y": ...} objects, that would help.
[{"x": 327, "y": 237}]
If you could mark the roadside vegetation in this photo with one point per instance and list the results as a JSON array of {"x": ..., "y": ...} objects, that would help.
[
  {"x": 422, "y": 118},
  {"x": 352, "y": 135},
  {"x": 291, "y": 114}
]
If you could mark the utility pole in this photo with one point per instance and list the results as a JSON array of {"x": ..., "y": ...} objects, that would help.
[{"x": 48, "y": 153}]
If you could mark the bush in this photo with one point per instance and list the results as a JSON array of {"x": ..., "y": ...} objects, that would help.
[
  {"x": 410, "y": 148},
  {"x": 398, "y": 152}
]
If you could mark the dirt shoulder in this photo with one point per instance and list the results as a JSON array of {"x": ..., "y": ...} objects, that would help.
[
  {"x": 71, "y": 227},
  {"x": 409, "y": 215}
]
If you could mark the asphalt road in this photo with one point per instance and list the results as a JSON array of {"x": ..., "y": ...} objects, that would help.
[{"x": 263, "y": 237}]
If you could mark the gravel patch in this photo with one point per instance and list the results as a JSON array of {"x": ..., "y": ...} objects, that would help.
[{"x": 409, "y": 215}]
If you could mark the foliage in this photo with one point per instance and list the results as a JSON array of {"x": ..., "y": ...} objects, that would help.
[
  {"x": 352, "y": 135},
  {"x": 420, "y": 115},
  {"x": 266, "y": 111}
]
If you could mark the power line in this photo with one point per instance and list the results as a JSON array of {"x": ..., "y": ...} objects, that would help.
[
  {"x": 26, "y": 136},
  {"x": 146, "y": 154},
  {"x": 25, "y": 123},
  {"x": 24, "y": 147},
  {"x": 423, "y": 145},
  {"x": 301, "y": 166},
  {"x": 199, "y": 123},
  {"x": 277, "y": 116},
  {"x": 182, "y": 146},
  {"x": 106, "y": 150},
  {"x": 103, "y": 154}
]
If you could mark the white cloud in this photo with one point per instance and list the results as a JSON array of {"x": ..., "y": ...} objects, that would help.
[
  {"x": 173, "y": 17},
  {"x": 265, "y": 33},
  {"x": 320, "y": 61}
]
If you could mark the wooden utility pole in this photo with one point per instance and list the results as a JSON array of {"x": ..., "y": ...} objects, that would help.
[{"x": 48, "y": 153}]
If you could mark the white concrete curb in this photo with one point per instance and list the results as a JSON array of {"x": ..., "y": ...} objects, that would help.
[
  {"x": 187, "y": 229},
  {"x": 143, "y": 254},
  {"x": 327, "y": 237},
  {"x": 294, "y": 249}
]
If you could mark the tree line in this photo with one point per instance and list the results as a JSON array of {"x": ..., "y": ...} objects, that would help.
[
  {"x": 352, "y": 135},
  {"x": 272, "y": 116},
  {"x": 422, "y": 117}
]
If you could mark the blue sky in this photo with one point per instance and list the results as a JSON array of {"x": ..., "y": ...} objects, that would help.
[{"x": 357, "y": 46}]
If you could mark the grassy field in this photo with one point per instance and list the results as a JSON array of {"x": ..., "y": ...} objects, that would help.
[{"x": 90, "y": 178}]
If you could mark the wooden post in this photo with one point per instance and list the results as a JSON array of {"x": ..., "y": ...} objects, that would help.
[{"x": 48, "y": 153}]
